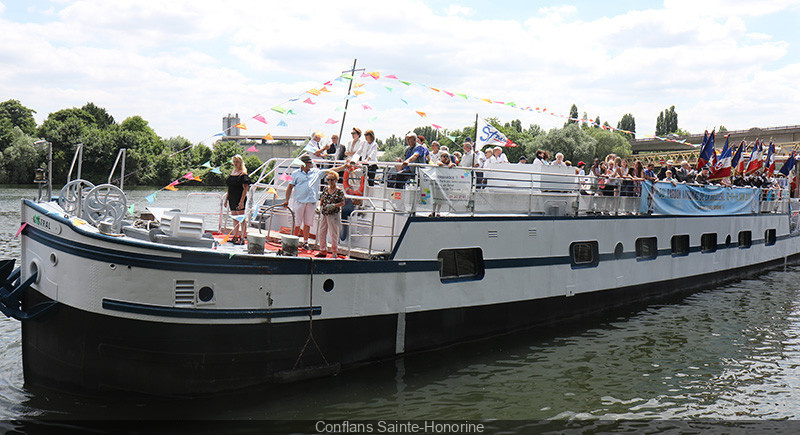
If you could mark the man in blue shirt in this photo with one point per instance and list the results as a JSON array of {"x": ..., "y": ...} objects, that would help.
[
  {"x": 415, "y": 153},
  {"x": 305, "y": 185}
]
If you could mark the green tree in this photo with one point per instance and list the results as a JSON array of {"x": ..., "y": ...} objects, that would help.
[
  {"x": 573, "y": 115},
  {"x": 20, "y": 159},
  {"x": 667, "y": 122},
  {"x": 102, "y": 119},
  {"x": 574, "y": 142},
  {"x": 64, "y": 129},
  {"x": 628, "y": 123},
  {"x": 19, "y": 115},
  {"x": 608, "y": 142},
  {"x": 722, "y": 129}
]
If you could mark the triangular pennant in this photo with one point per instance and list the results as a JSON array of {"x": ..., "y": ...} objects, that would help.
[
  {"x": 404, "y": 101},
  {"x": 285, "y": 176},
  {"x": 390, "y": 76},
  {"x": 452, "y": 138},
  {"x": 207, "y": 164},
  {"x": 268, "y": 137},
  {"x": 358, "y": 92},
  {"x": 373, "y": 119},
  {"x": 358, "y": 85},
  {"x": 366, "y": 107},
  {"x": 438, "y": 127},
  {"x": 291, "y": 112},
  {"x": 151, "y": 197},
  {"x": 405, "y": 82},
  {"x": 434, "y": 89},
  {"x": 260, "y": 118},
  {"x": 19, "y": 230},
  {"x": 512, "y": 104},
  {"x": 363, "y": 74},
  {"x": 463, "y": 95},
  {"x": 449, "y": 93},
  {"x": 324, "y": 89},
  {"x": 331, "y": 121},
  {"x": 252, "y": 149},
  {"x": 198, "y": 179},
  {"x": 231, "y": 255},
  {"x": 347, "y": 76},
  {"x": 422, "y": 114},
  {"x": 283, "y": 124},
  {"x": 375, "y": 75},
  {"x": 272, "y": 191},
  {"x": 278, "y": 109},
  {"x": 189, "y": 176},
  {"x": 389, "y": 88},
  {"x": 215, "y": 170},
  {"x": 220, "y": 134},
  {"x": 313, "y": 91},
  {"x": 240, "y": 125},
  {"x": 131, "y": 208},
  {"x": 295, "y": 99},
  {"x": 174, "y": 183},
  {"x": 308, "y": 101},
  {"x": 172, "y": 188}
]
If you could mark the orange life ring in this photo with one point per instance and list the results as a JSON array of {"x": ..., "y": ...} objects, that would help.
[{"x": 349, "y": 190}]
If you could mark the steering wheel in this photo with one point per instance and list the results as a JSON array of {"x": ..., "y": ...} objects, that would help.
[
  {"x": 72, "y": 195},
  {"x": 105, "y": 202}
]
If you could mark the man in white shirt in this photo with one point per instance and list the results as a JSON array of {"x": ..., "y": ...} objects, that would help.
[
  {"x": 314, "y": 148},
  {"x": 469, "y": 159}
]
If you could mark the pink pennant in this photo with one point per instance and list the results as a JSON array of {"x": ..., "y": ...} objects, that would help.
[
  {"x": 308, "y": 101},
  {"x": 365, "y": 75},
  {"x": 21, "y": 227},
  {"x": 189, "y": 176},
  {"x": 331, "y": 121},
  {"x": 260, "y": 119},
  {"x": 252, "y": 149},
  {"x": 448, "y": 93},
  {"x": 328, "y": 83},
  {"x": 390, "y": 76},
  {"x": 173, "y": 183},
  {"x": 366, "y": 107},
  {"x": 285, "y": 177},
  {"x": 436, "y": 126}
]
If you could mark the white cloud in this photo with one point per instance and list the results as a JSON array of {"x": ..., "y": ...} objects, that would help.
[
  {"x": 182, "y": 65},
  {"x": 2, "y": 7}
]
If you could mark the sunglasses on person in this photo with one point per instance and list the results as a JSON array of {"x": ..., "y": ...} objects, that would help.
[{"x": 331, "y": 179}]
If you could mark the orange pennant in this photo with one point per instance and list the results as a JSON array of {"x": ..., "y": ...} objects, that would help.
[
  {"x": 173, "y": 188},
  {"x": 358, "y": 85},
  {"x": 422, "y": 114},
  {"x": 358, "y": 92},
  {"x": 313, "y": 91},
  {"x": 434, "y": 89},
  {"x": 324, "y": 89},
  {"x": 240, "y": 125},
  {"x": 375, "y": 74},
  {"x": 487, "y": 100},
  {"x": 268, "y": 137}
]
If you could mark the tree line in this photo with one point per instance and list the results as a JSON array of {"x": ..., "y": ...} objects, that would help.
[{"x": 151, "y": 160}]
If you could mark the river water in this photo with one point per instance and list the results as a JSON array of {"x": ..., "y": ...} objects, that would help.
[{"x": 731, "y": 352}]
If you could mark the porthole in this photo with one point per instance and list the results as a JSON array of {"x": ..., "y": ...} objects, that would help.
[
  {"x": 53, "y": 258},
  {"x": 205, "y": 294},
  {"x": 112, "y": 266},
  {"x": 618, "y": 250},
  {"x": 728, "y": 241},
  {"x": 327, "y": 285},
  {"x": 33, "y": 267}
]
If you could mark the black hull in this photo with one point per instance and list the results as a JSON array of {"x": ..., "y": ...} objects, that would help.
[{"x": 77, "y": 351}]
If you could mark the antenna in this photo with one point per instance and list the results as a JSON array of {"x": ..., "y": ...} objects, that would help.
[{"x": 352, "y": 72}]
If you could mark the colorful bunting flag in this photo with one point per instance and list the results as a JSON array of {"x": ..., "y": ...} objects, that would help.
[
  {"x": 189, "y": 176},
  {"x": 131, "y": 208},
  {"x": 174, "y": 183},
  {"x": 308, "y": 101},
  {"x": 331, "y": 121},
  {"x": 291, "y": 112},
  {"x": 220, "y": 134},
  {"x": 207, "y": 164},
  {"x": 170, "y": 187},
  {"x": 347, "y": 76},
  {"x": 151, "y": 197},
  {"x": 252, "y": 149},
  {"x": 373, "y": 119},
  {"x": 366, "y": 107},
  {"x": 375, "y": 75},
  {"x": 422, "y": 114},
  {"x": 390, "y": 76},
  {"x": 283, "y": 124},
  {"x": 278, "y": 109},
  {"x": 404, "y": 101},
  {"x": 240, "y": 125},
  {"x": 313, "y": 91},
  {"x": 215, "y": 170},
  {"x": 260, "y": 118},
  {"x": 449, "y": 93},
  {"x": 358, "y": 92},
  {"x": 436, "y": 126},
  {"x": 272, "y": 191},
  {"x": 358, "y": 85},
  {"x": 389, "y": 88},
  {"x": 268, "y": 137},
  {"x": 434, "y": 89},
  {"x": 405, "y": 82},
  {"x": 324, "y": 89},
  {"x": 285, "y": 176}
]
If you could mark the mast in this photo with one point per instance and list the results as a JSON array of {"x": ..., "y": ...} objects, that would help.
[{"x": 352, "y": 72}]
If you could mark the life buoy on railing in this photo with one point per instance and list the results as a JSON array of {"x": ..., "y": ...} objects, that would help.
[{"x": 349, "y": 190}]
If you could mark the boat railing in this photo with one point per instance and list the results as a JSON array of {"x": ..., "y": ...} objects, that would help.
[{"x": 220, "y": 215}]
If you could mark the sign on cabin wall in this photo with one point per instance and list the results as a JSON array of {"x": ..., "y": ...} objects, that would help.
[
  {"x": 445, "y": 185},
  {"x": 684, "y": 199}
]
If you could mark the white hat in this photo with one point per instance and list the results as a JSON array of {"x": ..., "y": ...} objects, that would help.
[{"x": 669, "y": 162}]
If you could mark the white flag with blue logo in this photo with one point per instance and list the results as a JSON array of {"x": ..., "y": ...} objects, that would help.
[{"x": 488, "y": 135}]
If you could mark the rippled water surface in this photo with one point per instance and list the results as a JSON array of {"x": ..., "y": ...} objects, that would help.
[{"x": 732, "y": 352}]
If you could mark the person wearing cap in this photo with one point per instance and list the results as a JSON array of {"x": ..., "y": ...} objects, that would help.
[
  {"x": 305, "y": 186},
  {"x": 663, "y": 172},
  {"x": 523, "y": 160}
]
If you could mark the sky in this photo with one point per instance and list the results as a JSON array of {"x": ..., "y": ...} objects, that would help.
[{"x": 183, "y": 65}]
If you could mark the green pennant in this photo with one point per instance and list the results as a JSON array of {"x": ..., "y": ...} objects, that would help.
[
  {"x": 373, "y": 119},
  {"x": 130, "y": 209},
  {"x": 230, "y": 255},
  {"x": 452, "y": 138},
  {"x": 405, "y": 82},
  {"x": 279, "y": 109},
  {"x": 347, "y": 76},
  {"x": 207, "y": 164},
  {"x": 390, "y": 89},
  {"x": 291, "y": 112},
  {"x": 463, "y": 96},
  {"x": 512, "y": 104}
]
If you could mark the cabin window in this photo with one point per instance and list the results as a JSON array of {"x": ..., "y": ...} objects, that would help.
[
  {"x": 745, "y": 239},
  {"x": 769, "y": 237},
  {"x": 708, "y": 242},
  {"x": 463, "y": 264},
  {"x": 680, "y": 245},
  {"x": 646, "y": 248},
  {"x": 584, "y": 254}
]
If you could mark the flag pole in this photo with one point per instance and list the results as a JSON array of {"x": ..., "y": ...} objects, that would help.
[
  {"x": 476, "y": 129},
  {"x": 352, "y": 72}
]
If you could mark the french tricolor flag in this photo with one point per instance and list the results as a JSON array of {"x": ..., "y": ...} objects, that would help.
[
  {"x": 770, "y": 164},
  {"x": 755, "y": 161},
  {"x": 722, "y": 168}
]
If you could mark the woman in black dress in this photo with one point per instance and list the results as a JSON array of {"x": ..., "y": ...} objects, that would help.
[{"x": 238, "y": 184}]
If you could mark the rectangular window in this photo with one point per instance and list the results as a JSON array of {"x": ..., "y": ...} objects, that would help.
[
  {"x": 464, "y": 264},
  {"x": 745, "y": 239},
  {"x": 646, "y": 248},
  {"x": 769, "y": 237},
  {"x": 584, "y": 254},
  {"x": 708, "y": 242},
  {"x": 680, "y": 245}
]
